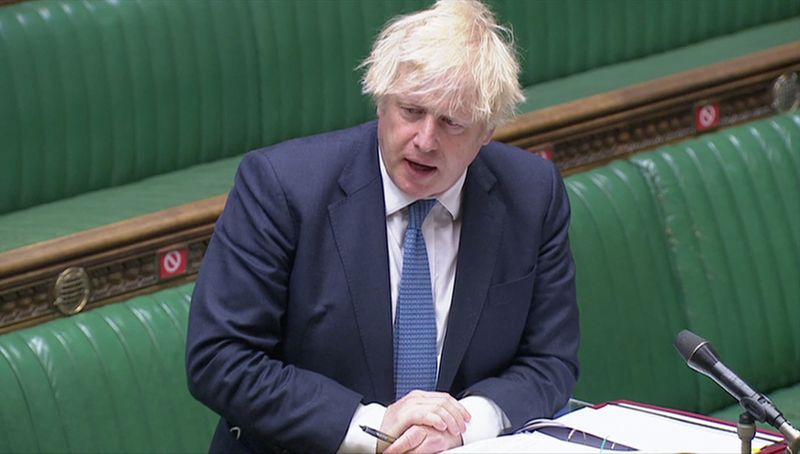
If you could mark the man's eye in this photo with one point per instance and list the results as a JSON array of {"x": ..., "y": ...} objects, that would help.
[
  {"x": 412, "y": 110},
  {"x": 451, "y": 123}
]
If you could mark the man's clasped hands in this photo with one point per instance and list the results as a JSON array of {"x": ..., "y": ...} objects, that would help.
[{"x": 425, "y": 422}]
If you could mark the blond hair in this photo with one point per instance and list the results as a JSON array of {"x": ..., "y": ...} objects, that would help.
[{"x": 454, "y": 56}]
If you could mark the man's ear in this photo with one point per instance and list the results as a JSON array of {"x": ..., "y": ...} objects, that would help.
[
  {"x": 379, "y": 105},
  {"x": 488, "y": 137}
]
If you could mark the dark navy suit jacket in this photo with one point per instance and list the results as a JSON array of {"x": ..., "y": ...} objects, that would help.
[{"x": 290, "y": 325}]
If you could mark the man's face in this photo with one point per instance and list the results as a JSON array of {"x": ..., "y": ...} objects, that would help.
[{"x": 426, "y": 152}]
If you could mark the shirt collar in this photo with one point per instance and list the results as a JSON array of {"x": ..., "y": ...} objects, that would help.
[{"x": 395, "y": 199}]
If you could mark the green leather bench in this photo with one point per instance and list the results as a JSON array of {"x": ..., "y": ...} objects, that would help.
[
  {"x": 110, "y": 106},
  {"x": 731, "y": 206},
  {"x": 627, "y": 292},
  {"x": 703, "y": 235},
  {"x": 108, "y": 380}
]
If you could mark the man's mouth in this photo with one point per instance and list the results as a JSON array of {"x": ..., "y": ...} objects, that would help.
[{"x": 420, "y": 167}]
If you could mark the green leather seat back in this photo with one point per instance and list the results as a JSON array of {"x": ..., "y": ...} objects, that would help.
[
  {"x": 109, "y": 380},
  {"x": 104, "y": 93},
  {"x": 559, "y": 38},
  {"x": 626, "y": 291},
  {"x": 730, "y": 203}
]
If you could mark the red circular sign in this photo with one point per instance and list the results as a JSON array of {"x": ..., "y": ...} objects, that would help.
[
  {"x": 707, "y": 116},
  {"x": 172, "y": 262}
]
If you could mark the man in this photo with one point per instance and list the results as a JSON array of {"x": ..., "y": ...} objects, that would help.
[{"x": 407, "y": 254}]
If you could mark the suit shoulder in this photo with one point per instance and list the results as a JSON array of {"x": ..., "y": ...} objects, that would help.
[
  {"x": 312, "y": 156},
  {"x": 309, "y": 171},
  {"x": 324, "y": 146},
  {"x": 508, "y": 161}
]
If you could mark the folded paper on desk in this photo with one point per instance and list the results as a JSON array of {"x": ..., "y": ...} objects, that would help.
[
  {"x": 572, "y": 435},
  {"x": 628, "y": 425}
]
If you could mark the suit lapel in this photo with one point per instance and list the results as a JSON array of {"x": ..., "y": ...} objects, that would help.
[
  {"x": 480, "y": 236},
  {"x": 358, "y": 223}
]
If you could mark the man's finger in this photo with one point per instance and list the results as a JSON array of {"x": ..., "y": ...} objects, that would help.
[
  {"x": 440, "y": 411},
  {"x": 456, "y": 409},
  {"x": 446, "y": 401},
  {"x": 410, "y": 439}
]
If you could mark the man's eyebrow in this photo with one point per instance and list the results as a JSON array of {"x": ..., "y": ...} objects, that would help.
[
  {"x": 409, "y": 102},
  {"x": 463, "y": 121}
]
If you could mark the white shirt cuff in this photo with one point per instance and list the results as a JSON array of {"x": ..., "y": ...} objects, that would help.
[
  {"x": 487, "y": 421},
  {"x": 356, "y": 440}
]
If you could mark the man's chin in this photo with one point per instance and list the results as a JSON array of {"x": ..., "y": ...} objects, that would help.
[
  {"x": 420, "y": 186},
  {"x": 419, "y": 191}
]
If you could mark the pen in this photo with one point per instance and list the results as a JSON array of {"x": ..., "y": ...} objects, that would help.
[
  {"x": 571, "y": 435},
  {"x": 378, "y": 434}
]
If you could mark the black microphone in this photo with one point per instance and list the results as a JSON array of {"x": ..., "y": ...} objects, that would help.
[{"x": 700, "y": 356}]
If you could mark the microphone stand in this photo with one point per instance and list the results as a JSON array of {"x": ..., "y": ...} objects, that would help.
[
  {"x": 792, "y": 437},
  {"x": 700, "y": 356},
  {"x": 746, "y": 429}
]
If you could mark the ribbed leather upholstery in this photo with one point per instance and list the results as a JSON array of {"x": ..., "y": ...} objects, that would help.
[
  {"x": 109, "y": 380},
  {"x": 102, "y": 93},
  {"x": 730, "y": 204},
  {"x": 558, "y": 38},
  {"x": 626, "y": 291},
  {"x": 704, "y": 235},
  {"x": 97, "y": 94}
]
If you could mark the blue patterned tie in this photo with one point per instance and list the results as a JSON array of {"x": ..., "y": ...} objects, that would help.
[{"x": 415, "y": 319}]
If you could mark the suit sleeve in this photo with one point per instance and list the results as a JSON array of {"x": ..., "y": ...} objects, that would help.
[
  {"x": 543, "y": 374},
  {"x": 235, "y": 325}
]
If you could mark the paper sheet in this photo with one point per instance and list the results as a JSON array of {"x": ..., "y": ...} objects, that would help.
[
  {"x": 658, "y": 433},
  {"x": 533, "y": 443},
  {"x": 649, "y": 430}
]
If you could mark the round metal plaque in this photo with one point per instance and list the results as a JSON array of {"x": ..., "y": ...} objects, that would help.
[
  {"x": 71, "y": 291},
  {"x": 786, "y": 93}
]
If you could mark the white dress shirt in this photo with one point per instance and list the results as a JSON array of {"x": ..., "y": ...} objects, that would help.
[{"x": 442, "y": 232}]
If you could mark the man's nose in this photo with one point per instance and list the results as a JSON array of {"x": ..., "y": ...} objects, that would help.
[{"x": 425, "y": 139}]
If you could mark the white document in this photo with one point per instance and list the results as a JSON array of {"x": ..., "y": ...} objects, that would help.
[
  {"x": 528, "y": 443},
  {"x": 644, "y": 428}
]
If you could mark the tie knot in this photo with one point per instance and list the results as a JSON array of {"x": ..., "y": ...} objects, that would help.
[{"x": 418, "y": 211}]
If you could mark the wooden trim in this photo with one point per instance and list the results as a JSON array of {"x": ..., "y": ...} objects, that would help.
[{"x": 117, "y": 236}]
